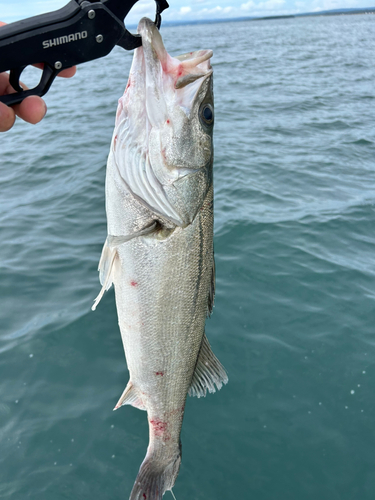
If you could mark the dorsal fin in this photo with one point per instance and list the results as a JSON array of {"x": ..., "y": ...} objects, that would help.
[{"x": 208, "y": 372}]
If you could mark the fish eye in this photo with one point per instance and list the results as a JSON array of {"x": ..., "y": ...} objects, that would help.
[{"x": 207, "y": 114}]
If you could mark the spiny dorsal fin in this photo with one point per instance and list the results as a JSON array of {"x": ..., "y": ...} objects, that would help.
[
  {"x": 208, "y": 372},
  {"x": 130, "y": 397}
]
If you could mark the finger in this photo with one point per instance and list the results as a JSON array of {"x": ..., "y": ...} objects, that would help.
[
  {"x": 5, "y": 87},
  {"x": 32, "y": 109},
  {"x": 65, "y": 73},
  {"x": 68, "y": 73},
  {"x": 7, "y": 117}
]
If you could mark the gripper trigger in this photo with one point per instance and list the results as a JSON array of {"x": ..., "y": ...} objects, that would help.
[
  {"x": 14, "y": 78},
  {"x": 48, "y": 76}
]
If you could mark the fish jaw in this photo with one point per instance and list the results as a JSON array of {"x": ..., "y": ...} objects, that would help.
[
  {"x": 165, "y": 74},
  {"x": 159, "y": 136}
]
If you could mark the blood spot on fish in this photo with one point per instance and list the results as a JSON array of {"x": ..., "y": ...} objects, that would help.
[
  {"x": 168, "y": 122},
  {"x": 159, "y": 427},
  {"x": 134, "y": 283},
  {"x": 159, "y": 373},
  {"x": 144, "y": 495},
  {"x": 179, "y": 70}
]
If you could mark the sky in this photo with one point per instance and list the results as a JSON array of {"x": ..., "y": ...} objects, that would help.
[{"x": 181, "y": 10}]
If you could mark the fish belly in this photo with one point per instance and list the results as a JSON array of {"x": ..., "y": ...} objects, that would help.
[{"x": 162, "y": 286}]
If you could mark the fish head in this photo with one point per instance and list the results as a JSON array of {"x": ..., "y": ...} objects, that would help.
[{"x": 166, "y": 119}]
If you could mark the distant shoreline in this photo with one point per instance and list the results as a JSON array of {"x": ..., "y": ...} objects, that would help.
[{"x": 334, "y": 12}]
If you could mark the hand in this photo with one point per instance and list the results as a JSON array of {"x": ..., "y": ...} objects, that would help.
[{"x": 32, "y": 109}]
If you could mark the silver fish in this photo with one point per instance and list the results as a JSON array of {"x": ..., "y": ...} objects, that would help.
[{"x": 159, "y": 249}]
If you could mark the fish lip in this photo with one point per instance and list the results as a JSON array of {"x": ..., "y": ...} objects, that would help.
[
  {"x": 184, "y": 68},
  {"x": 146, "y": 21},
  {"x": 151, "y": 38}
]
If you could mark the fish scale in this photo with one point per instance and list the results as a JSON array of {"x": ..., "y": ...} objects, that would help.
[{"x": 159, "y": 249}]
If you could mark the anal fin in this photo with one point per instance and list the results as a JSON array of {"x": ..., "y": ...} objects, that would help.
[
  {"x": 130, "y": 397},
  {"x": 208, "y": 372}
]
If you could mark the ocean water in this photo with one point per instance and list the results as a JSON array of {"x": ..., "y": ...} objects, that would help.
[{"x": 294, "y": 321}]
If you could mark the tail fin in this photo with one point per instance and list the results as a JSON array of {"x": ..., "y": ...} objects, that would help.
[{"x": 155, "y": 477}]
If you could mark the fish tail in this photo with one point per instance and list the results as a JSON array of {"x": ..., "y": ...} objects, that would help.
[{"x": 155, "y": 477}]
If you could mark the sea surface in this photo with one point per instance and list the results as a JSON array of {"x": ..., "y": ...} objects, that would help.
[{"x": 294, "y": 321}]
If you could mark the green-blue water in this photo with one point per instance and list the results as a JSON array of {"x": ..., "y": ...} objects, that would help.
[{"x": 295, "y": 250}]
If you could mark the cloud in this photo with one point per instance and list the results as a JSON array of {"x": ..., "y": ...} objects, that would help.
[
  {"x": 185, "y": 10},
  {"x": 216, "y": 10},
  {"x": 267, "y": 5},
  {"x": 143, "y": 8},
  {"x": 18, "y": 9},
  {"x": 248, "y": 5},
  {"x": 8, "y": 12},
  {"x": 48, "y": 5},
  {"x": 317, "y": 5}
]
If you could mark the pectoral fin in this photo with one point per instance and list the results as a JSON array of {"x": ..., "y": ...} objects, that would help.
[
  {"x": 108, "y": 256},
  {"x": 115, "y": 241},
  {"x": 105, "y": 271},
  {"x": 208, "y": 372}
]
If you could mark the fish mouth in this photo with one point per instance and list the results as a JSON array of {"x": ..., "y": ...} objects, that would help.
[
  {"x": 166, "y": 76},
  {"x": 193, "y": 65}
]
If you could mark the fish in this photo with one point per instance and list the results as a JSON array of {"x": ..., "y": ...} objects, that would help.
[{"x": 159, "y": 250}]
